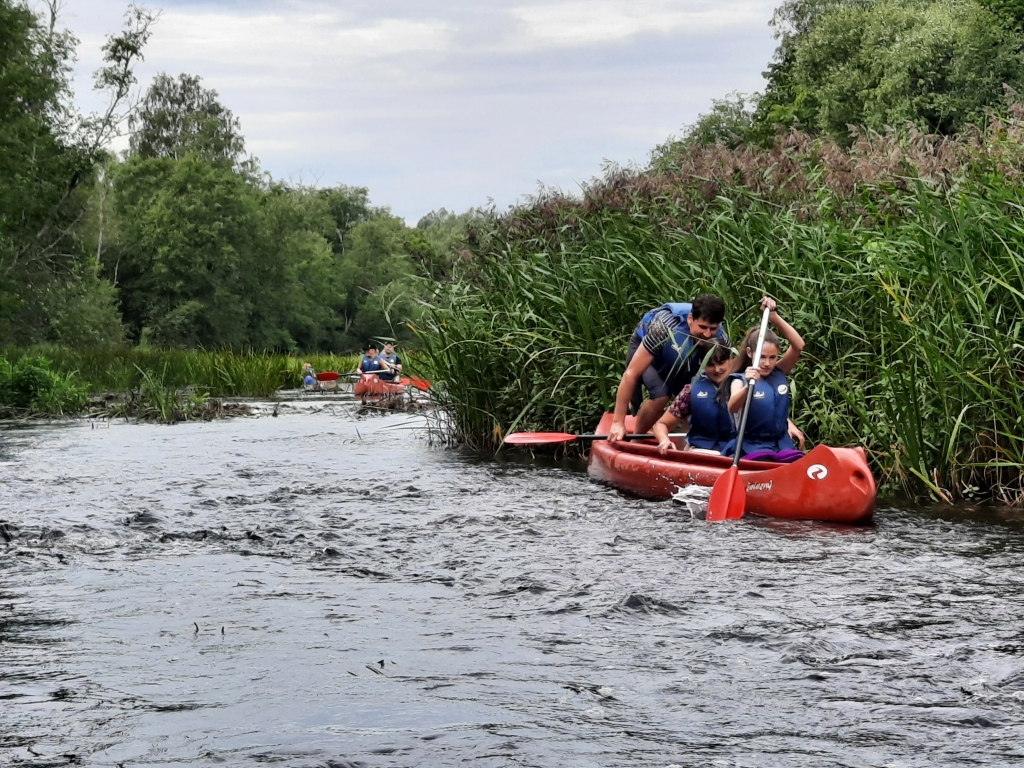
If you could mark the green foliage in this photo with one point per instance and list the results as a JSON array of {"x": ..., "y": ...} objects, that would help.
[
  {"x": 900, "y": 262},
  {"x": 1009, "y": 12},
  {"x": 30, "y": 386},
  {"x": 729, "y": 123},
  {"x": 221, "y": 374},
  {"x": 49, "y": 288},
  {"x": 179, "y": 117},
  {"x": 938, "y": 64},
  {"x": 187, "y": 227}
]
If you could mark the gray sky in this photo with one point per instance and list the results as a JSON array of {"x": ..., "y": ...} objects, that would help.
[{"x": 449, "y": 103}]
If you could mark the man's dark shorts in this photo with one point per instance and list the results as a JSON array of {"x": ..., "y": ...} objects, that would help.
[{"x": 656, "y": 386}]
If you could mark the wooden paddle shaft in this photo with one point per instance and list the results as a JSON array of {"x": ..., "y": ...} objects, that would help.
[{"x": 750, "y": 387}]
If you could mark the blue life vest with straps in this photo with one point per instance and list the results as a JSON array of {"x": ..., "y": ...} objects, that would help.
[
  {"x": 680, "y": 357},
  {"x": 711, "y": 424},
  {"x": 767, "y": 425},
  {"x": 370, "y": 364},
  {"x": 387, "y": 375}
]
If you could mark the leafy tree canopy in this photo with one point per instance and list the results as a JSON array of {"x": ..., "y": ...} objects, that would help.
[
  {"x": 179, "y": 116},
  {"x": 938, "y": 64}
]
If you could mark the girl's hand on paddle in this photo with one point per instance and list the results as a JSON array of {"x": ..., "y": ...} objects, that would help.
[
  {"x": 768, "y": 302},
  {"x": 797, "y": 435},
  {"x": 617, "y": 432},
  {"x": 752, "y": 374}
]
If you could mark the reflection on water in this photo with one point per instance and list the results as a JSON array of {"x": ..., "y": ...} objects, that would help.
[{"x": 323, "y": 590}]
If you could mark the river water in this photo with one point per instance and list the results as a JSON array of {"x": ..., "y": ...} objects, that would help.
[{"x": 326, "y": 589}]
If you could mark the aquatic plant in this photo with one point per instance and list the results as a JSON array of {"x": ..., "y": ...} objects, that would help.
[
  {"x": 901, "y": 261},
  {"x": 30, "y": 386},
  {"x": 219, "y": 373}
]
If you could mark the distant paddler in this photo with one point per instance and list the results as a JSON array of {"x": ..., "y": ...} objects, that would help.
[
  {"x": 665, "y": 353},
  {"x": 371, "y": 360},
  {"x": 308, "y": 376},
  {"x": 391, "y": 363}
]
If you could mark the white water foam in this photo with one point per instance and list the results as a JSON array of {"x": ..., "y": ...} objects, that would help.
[{"x": 694, "y": 498}]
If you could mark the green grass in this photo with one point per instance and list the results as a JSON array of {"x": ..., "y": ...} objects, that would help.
[
  {"x": 219, "y": 374},
  {"x": 901, "y": 263}
]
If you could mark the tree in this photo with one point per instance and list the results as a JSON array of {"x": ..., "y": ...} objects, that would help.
[
  {"x": 48, "y": 156},
  {"x": 936, "y": 63},
  {"x": 1009, "y": 12},
  {"x": 179, "y": 116},
  {"x": 729, "y": 123},
  {"x": 188, "y": 229}
]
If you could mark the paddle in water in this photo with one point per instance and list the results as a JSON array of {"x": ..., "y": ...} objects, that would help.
[
  {"x": 729, "y": 494},
  {"x": 553, "y": 438}
]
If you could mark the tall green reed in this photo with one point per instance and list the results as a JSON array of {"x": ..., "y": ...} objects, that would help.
[
  {"x": 901, "y": 263},
  {"x": 220, "y": 373}
]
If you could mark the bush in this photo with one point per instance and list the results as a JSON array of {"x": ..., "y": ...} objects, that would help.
[{"x": 30, "y": 386}]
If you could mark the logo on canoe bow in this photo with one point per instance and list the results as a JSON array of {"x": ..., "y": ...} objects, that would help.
[
  {"x": 760, "y": 486},
  {"x": 817, "y": 471}
]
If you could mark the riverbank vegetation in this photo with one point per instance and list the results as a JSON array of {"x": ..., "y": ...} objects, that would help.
[
  {"x": 897, "y": 251},
  {"x": 177, "y": 270},
  {"x": 218, "y": 374},
  {"x": 182, "y": 241}
]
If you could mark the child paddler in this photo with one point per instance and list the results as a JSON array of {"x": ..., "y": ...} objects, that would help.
[
  {"x": 767, "y": 432},
  {"x": 710, "y": 425}
]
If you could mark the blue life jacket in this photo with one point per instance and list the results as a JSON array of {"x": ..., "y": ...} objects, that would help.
[
  {"x": 767, "y": 426},
  {"x": 711, "y": 424},
  {"x": 385, "y": 374},
  {"x": 370, "y": 364},
  {"x": 679, "y": 358}
]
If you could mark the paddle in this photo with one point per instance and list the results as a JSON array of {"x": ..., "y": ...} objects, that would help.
[
  {"x": 553, "y": 438},
  {"x": 414, "y": 381},
  {"x": 729, "y": 494},
  {"x": 419, "y": 383}
]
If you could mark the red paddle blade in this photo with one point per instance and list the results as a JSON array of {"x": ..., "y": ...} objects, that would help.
[
  {"x": 419, "y": 383},
  {"x": 728, "y": 497},
  {"x": 538, "y": 438}
]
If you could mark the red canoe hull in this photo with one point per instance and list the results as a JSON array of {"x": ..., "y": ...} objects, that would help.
[
  {"x": 828, "y": 484},
  {"x": 371, "y": 385}
]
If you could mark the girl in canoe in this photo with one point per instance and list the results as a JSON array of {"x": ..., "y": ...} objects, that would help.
[
  {"x": 711, "y": 425},
  {"x": 704, "y": 412},
  {"x": 767, "y": 432}
]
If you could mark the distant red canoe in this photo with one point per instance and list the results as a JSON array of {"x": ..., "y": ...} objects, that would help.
[
  {"x": 828, "y": 484},
  {"x": 327, "y": 376},
  {"x": 370, "y": 385}
]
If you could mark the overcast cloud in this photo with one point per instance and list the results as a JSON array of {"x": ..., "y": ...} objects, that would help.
[{"x": 450, "y": 102}]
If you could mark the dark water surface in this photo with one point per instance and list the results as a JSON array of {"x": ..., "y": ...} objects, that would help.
[{"x": 365, "y": 599}]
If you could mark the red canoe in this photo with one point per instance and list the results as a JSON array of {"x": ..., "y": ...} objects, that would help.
[
  {"x": 370, "y": 386},
  {"x": 828, "y": 484}
]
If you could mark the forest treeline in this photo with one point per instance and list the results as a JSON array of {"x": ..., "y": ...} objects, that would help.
[
  {"x": 875, "y": 189},
  {"x": 182, "y": 241}
]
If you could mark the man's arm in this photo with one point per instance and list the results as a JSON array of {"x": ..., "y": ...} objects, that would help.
[{"x": 627, "y": 385}]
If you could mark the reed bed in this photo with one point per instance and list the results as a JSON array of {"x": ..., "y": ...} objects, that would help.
[
  {"x": 901, "y": 262},
  {"x": 218, "y": 374}
]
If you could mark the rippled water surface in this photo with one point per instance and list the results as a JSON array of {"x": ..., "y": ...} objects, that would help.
[{"x": 320, "y": 590}]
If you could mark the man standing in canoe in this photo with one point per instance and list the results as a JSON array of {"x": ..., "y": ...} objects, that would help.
[{"x": 665, "y": 353}]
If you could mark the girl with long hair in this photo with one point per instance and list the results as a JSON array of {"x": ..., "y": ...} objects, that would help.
[{"x": 768, "y": 422}]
